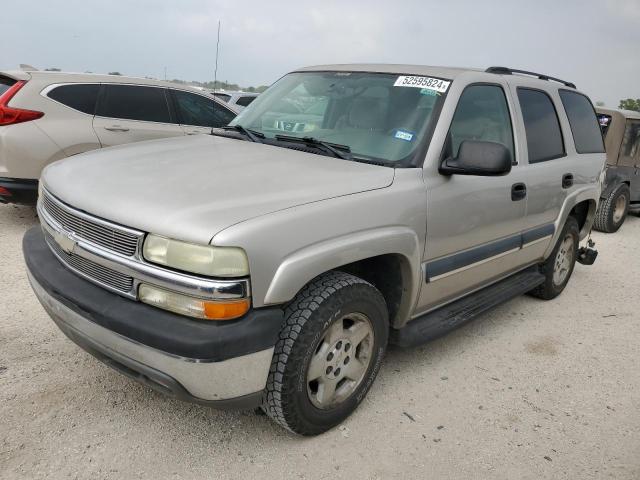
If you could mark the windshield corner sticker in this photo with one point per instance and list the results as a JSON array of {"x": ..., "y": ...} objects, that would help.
[
  {"x": 427, "y": 83},
  {"x": 404, "y": 135}
]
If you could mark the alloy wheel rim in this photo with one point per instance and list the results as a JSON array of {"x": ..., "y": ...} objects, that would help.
[
  {"x": 340, "y": 361},
  {"x": 563, "y": 261},
  {"x": 618, "y": 211}
]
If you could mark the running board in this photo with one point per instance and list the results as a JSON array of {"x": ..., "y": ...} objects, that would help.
[{"x": 441, "y": 321}]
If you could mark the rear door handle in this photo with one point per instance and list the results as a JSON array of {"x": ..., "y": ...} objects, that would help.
[
  {"x": 567, "y": 180},
  {"x": 518, "y": 191},
  {"x": 117, "y": 128}
]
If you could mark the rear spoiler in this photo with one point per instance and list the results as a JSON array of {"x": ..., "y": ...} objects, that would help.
[{"x": 16, "y": 74}]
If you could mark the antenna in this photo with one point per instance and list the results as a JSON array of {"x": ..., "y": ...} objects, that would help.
[{"x": 215, "y": 76}]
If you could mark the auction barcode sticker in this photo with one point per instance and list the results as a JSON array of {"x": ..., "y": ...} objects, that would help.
[{"x": 422, "y": 82}]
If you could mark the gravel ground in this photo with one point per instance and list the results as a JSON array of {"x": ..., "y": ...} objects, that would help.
[{"x": 532, "y": 390}]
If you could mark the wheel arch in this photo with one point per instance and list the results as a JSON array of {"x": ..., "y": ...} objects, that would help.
[{"x": 389, "y": 258}]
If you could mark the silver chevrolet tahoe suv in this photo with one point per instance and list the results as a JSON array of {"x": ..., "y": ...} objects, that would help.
[{"x": 347, "y": 208}]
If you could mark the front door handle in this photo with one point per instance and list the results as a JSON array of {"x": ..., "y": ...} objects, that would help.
[
  {"x": 117, "y": 128},
  {"x": 518, "y": 191},
  {"x": 567, "y": 180}
]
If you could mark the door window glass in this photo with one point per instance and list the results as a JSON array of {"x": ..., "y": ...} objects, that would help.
[
  {"x": 482, "y": 114},
  {"x": 131, "y": 102},
  {"x": 201, "y": 111},
  {"x": 541, "y": 125}
]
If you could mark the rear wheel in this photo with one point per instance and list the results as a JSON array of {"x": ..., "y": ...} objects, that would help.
[
  {"x": 558, "y": 268},
  {"x": 328, "y": 353},
  {"x": 612, "y": 211}
]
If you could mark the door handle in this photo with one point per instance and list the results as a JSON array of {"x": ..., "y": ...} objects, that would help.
[
  {"x": 518, "y": 191},
  {"x": 567, "y": 180},
  {"x": 117, "y": 128}
]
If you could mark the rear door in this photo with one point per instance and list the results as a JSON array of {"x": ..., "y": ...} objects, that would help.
[
  {"x": 131, "y": 113},
  {"x": 199, "y": 113},
  {"x": 547, "y": 157}
]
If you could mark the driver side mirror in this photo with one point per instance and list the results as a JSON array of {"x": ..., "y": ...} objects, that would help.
[{"x": 487, "y": 159}]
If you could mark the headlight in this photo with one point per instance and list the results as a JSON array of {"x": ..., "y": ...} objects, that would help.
[
  {"x": 191, "y": 306},
  {"x": 203, "y": 259}
]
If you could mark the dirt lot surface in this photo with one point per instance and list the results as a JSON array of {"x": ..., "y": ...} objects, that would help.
[{"x": 532, "y": 390}]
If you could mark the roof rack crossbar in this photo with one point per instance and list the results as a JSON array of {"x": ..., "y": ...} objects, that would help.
[{"x": 510, "y": 71}]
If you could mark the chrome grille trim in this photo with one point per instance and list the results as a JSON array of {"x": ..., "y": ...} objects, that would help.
[
  {"x": 94, "y": 272},
  {"x": 113, "y": 237},
  {"x": 113, "y": 266}
]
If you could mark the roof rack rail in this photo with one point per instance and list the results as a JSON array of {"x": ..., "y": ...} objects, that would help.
[{"x": 509, "y": 71}]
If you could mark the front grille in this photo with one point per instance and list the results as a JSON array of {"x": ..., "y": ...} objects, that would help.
[
  {"x": 100, "y": 274},
  {"x": 111, "y": 238}
]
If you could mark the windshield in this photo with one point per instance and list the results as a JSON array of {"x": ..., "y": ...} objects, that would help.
[{"x": 377, "y": 116}]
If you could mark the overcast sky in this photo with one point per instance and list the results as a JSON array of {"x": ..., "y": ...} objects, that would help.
[{"x": 594, "y": 43}]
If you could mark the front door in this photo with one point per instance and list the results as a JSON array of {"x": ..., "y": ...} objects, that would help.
[{"x": 474, "y": 223}]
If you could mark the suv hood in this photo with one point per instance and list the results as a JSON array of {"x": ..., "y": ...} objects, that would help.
[{"x": 191, "y": 188}]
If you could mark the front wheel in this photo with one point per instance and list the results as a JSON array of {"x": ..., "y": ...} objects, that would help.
[
  {"x": 328, "y": 353},
  {"x": 557, "y": 269}
]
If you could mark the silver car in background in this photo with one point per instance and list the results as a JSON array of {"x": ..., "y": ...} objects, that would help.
[
  {"x": 46, "y": 116},
  {"x": 348, "y": 207}
]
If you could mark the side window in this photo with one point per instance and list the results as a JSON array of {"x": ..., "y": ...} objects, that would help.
[
  {"x": 482, "y": 114},
  {"x": 245, "y": 101},
  {"x": 201, "y": 111},
  {"x": 81, "y": 97},
  {"x": 541, "y": 125},
  {"x": 586, "y": 132},
  {"x": 630, "y": 148},
  {"x": 222, "y": 96},
  {"x": 131, "y": 102}
]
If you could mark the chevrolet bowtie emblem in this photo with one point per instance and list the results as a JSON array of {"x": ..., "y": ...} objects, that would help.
[{"x": 66, "y": 241}]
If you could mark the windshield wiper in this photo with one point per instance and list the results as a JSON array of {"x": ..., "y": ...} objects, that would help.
[
  {"x": 252, "y": 135},
  {"x": 333, "y": 148}
]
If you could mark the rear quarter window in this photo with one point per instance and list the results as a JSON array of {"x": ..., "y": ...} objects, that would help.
[
  {"x": 81, "y": 97},
  {"x": 5, "y": 84},
  {"x": 245, "y": 101},
  {"x": 586, "y": 132},
  {"x": 541, "y": 125}
]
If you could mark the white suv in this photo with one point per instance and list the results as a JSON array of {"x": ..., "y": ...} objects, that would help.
[{"x": 46, "y": 116}]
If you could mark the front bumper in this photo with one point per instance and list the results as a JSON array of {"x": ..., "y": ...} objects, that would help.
[
  {"x": 23, "y": 191},
  {"x": 222, "y": 364}
]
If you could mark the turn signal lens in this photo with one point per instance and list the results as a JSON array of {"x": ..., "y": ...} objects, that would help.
[{"x": 191, "y": 306}]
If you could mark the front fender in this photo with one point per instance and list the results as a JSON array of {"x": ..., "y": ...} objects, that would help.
[{"x": 302, "y": 266}]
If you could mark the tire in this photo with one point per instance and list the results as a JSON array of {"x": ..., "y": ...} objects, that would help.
[
  {"x": 319, "y": 324},
  {"x": 558, "y": 268},
  {"x": 613, "y": 210}
]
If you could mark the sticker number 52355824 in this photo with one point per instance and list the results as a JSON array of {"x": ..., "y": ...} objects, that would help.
[{"x": 422, "y": 82}]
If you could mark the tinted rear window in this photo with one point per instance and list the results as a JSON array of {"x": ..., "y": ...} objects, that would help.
[
  {"x": 245, "y": 101},
  {"x": 81, "y": 97},
  {"x": 130, "y": 102},
  {"x": 544, "y": 137},
  {"x": 5, "y": 84},
  {"x": 587, "y": 135}
]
